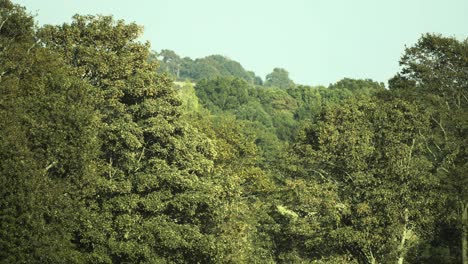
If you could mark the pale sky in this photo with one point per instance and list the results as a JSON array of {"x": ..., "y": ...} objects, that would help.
[{"x": 317, "y": 41}]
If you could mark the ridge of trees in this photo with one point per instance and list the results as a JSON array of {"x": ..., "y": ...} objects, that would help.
[
  {"x": 187, "y": 69},
  {"x": 194, "y": 70}
]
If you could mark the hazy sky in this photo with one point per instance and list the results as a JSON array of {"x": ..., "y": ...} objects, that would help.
[{"x": 317, "y": 41}]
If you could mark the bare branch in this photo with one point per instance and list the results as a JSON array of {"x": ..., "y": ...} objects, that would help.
[
  {"x": 3, "y": 23},
  {"x": 49, "y": 167},
  {"x": 441, "y": 127},
  {"x": 32, "y": 46}
]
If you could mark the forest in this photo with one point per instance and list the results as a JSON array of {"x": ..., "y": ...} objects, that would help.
[{"x": 112, "y": 152}]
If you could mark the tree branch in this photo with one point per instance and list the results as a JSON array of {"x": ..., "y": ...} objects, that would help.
[
  {"x": 441, "y": 127},
  {"x": 3, "y": 23}
]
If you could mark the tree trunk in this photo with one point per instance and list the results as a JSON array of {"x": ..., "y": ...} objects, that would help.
[
  {"x": 404, "y": 235},
  {"x": 464, "y": 222}
]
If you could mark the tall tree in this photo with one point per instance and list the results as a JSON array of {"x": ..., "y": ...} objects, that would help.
[
  {"x": 434, "y": 75},
  {"x": 152, "y": 198},
  {"x": 374, "y": 155}
]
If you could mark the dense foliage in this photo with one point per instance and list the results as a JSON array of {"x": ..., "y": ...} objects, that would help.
[
  {"x": 202, "y": 68},
  {"x": 104, "y": 159}
]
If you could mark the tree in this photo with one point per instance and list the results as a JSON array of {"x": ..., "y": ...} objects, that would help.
[
  {"x": 242, "y": 190},
  {"x": 220, "y": 66},
  {"x": 358, "y": 85},
  {"x": 279, "y": 78},
  {"x": 187, "y": 69},
  {"x": 47, "y": 148},
  {"x": 151, "y": 200},
  {"x": 434, "y": 75},
  {"x": 170, "y": 62},
  {"x": 373, "y": 153}
]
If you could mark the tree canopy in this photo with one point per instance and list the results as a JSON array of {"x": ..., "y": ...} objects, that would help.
[
  {"x": 113, "y": 153},
  {"x": 279, "y": 78}
]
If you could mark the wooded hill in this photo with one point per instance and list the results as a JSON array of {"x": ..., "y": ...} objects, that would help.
[{"x": 105, "y": 160}]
